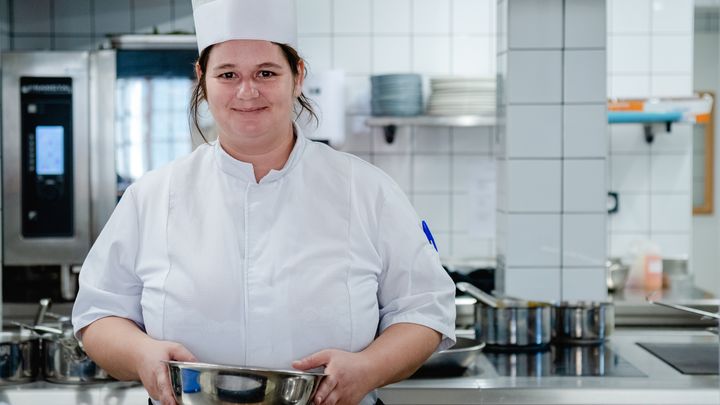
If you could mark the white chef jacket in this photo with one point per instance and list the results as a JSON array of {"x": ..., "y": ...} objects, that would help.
[{"x": 324, "y": 253}]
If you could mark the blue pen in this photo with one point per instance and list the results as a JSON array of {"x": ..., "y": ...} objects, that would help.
[{"x": 430, "y": 238}]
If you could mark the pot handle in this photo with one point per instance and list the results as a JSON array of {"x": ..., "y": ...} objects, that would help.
[{"x": 477, "y": 293}]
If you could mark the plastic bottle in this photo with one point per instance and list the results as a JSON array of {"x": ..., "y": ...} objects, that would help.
[{"x": 652, "y": 266}]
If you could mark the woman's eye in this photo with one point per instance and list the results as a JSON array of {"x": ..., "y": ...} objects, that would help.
[
  {"x": 227, "y": 75},
  {"x": 266, "y": 74}
]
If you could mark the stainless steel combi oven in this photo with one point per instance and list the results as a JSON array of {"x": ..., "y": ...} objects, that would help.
[{"x": 77, "y": 129}]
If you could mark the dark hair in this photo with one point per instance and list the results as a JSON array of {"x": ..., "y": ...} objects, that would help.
[{"x": 200, "y": 90}]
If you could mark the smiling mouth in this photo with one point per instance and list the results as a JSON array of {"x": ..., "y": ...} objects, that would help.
[{"x": 250, "y": 110}]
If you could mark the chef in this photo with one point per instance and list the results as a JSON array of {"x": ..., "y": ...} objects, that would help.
[{"x": 263, "y": 248}]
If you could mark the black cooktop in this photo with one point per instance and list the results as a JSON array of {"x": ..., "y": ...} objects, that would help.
[
  {"x": 692, "y": 359},
  {"x": 562, "y": 361}
]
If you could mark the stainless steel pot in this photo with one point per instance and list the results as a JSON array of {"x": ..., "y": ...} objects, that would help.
[
  {"x": 62, "y": 358},
  {"x": 511, "y": 324},
  {"x": 465, "y": 312},
  {"x": 583, "y": 322},
  {"x": 65, "y": 362},
  {"x": 19, "y": 358},
  {"x": 211, "y": 384}
]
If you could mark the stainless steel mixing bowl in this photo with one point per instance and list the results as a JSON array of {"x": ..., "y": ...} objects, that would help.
[{"x": 213, "y": 384}]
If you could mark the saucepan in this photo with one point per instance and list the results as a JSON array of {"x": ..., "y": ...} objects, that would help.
[
  {"x": 509, "y": 324},
  {"x": 19, "y": 357},
  {"x": 62, "y": 357},
  {"x": 582, "y": 322},
  {"x": 213, "y": 384}
]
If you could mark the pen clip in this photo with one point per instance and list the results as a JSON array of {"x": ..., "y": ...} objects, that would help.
[{"x": 428, "y": 234}]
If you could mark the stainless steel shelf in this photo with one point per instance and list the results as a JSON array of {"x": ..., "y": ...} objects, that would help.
[{"x": 391, "y": 123}]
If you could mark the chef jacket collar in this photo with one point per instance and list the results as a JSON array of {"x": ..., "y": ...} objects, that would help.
[{"x": 244, "y": 171}]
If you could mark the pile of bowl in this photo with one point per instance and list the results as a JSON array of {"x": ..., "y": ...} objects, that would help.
[{"x": 396, "y": 95}]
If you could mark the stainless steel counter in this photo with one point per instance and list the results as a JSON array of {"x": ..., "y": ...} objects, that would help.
[
  {"x": 661, "y": 385},
  {"x": 631, "y": 308},
  {"x": 482, "y": 384}
]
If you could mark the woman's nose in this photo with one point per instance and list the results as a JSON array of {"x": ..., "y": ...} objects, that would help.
[{"x": 247, "y": 90}]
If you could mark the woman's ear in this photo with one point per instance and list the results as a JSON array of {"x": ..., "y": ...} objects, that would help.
[
  {"x": 299, "y": 79},
  {"x": 198, "y": 71}
]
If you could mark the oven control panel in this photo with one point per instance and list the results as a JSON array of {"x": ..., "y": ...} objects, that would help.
[{"x": 46, "y": 157}]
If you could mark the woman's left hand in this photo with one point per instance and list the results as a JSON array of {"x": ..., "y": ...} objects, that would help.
[{"x": 349, "y": 376}]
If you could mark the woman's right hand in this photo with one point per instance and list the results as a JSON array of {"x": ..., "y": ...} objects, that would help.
[{"x": 153, "y": 372}]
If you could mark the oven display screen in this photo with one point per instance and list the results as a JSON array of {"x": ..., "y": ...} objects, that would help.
[{"x": 49, "y": 150}]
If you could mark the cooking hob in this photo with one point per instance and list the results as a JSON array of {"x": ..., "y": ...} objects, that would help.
[{"x": 563, "y": 361}]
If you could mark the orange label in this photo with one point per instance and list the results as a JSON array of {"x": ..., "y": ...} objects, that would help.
[{"x": 626, "y": 105}]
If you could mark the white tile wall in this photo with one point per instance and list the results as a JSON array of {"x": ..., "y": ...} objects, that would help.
[
  {"x": 533, "y": 240},
  {"x": 352, "y": 54},
  {"x": 542, "y": 284},
  {"x": 629, "y": 86},
  {"x": 578, "y": 66},
  {"x": 112, "y": 17},
  {"x": 391, "y": 54},
  {"x": 676, "y": 142},
  {"x": 670, "y": 213},
  {"x": 391, "y": 17},
  {"x": 556, "y": 141},
  {"x": 431, "y": 54},
  {"x": 472, "y": 17},
  {"x": 472, "y": 140},
  {"x": 584, "y": 237},
  {"x": 585, "y": 22},
  {"x": 433, "y": 208},
  {"x": 398, "y": 167},
  {"x": 535, "y": 24},
  {"x": 584, "y": 284},
  {"x": 431, "y": 16},
  {"x": 630, "y": 173},
  {"x": 473, "y": 56},
  {"x": 675, "y": 16},
  {"x": 431, "y": 140},
  {"x": 351, "y": 17},
  {"x": 431, "y": 174},
  {"x": 633, "y": 215},
  {"x": 671, "y": 85},
  {"x": 72, "y": 16},
  {"x": 534, "y": 131},
  {"x": 670, "y": 173},
  {"x": 584, "y": 131},
  {"x": 541, "y": 84},
  {"x": 314, "y": 17},
  {"x": 31, "y": 17},
  {"x": 584, "y": 188},
  {"x": 629, "y": 138},
  {"x": 151, "y": 14},
  {"x": 317, "y": 51},
  {"x": 672, "y": 54},
  {"x": 673, "y": 244},
  {"x": 628, "y": 16},
  {"x": 534, "y": 185},
  {"x": 651, "y": 56},
  {"x": 630, "y": 54}
]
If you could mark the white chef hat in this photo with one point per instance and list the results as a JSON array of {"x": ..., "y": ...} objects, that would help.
[{"x": 222, "y": 20}]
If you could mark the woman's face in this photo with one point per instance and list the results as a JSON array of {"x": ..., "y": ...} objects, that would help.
[{"x": 251, "y": 90}]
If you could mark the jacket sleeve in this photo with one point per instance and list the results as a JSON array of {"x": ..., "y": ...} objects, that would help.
[
  {"x": 109, "y": 285},
  {"x": 413, "y": 286}
]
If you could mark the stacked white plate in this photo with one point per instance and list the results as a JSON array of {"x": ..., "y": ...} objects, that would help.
[
  {"x": 396, "y": 94},
  {"x": 461, "y": 96}
]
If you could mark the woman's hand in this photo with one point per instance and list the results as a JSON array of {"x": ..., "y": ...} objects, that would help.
[
  {"x": 153, "y": 372},
  {"x": 349, "y": 376}
]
